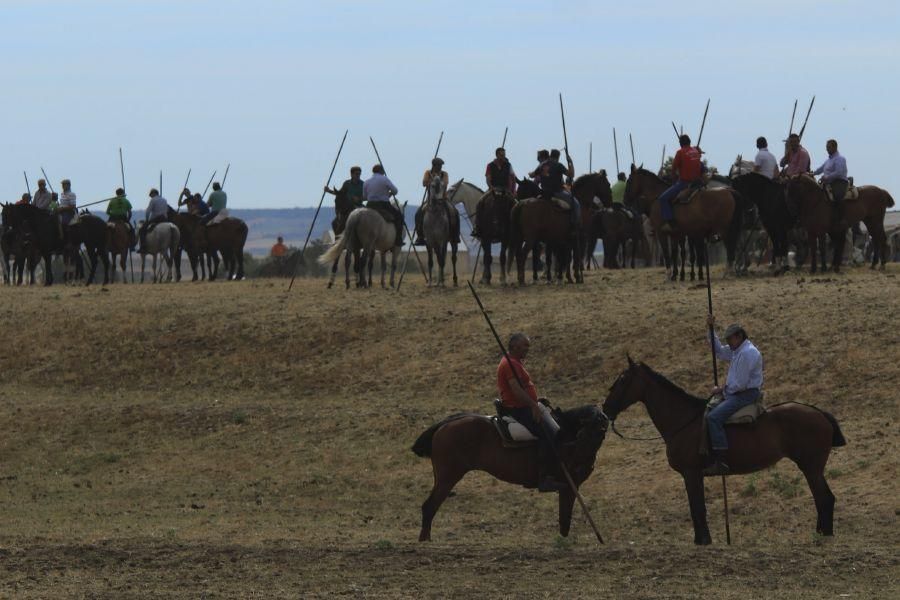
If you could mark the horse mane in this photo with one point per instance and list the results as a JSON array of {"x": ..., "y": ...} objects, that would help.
[
  {"x": 671, "y": 386},
  {"x": 644, "y": 171}
]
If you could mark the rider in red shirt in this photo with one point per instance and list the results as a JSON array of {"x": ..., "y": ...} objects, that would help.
[{"x": 686, "y": 169}]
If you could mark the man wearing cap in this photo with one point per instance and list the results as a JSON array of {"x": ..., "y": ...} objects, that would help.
[
  {"x": 377, "y": 192},
  {"x": 765, "y": 163},
  {"x": 796, "y": 159},
  {"x": 352, "y": 188},
  {"x": 437, "y": 168},
  {"x": 742, "y": 387}
]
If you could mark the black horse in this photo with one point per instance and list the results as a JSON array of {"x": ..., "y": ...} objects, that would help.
[
  {"x": 769, "y": 198},
  {"x": 93, "y": 232},
  {"x": 41, "y": 228}
]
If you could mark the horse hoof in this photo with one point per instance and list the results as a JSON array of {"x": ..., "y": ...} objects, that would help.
[{"x": 705, "y": 541}]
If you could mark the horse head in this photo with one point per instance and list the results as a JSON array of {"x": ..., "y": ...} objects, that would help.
[
  {"x": 625, "y": 391},
  {"x": 436, "y": 187}
]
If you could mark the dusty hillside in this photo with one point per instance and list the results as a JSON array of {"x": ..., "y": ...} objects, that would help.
[{"x": 235, "y": 439}]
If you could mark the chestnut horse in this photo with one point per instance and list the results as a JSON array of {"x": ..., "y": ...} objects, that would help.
[
  {"x": 119, "y": 245},
  {"x": 535, "y": 221},
  {"x": 468, "y": 442},
  {"x": 712, "y": 211},
  {"x": 802, "y": 433},
  {"x": 808, "y": 200},
  {"x": 591, "y": 189}
]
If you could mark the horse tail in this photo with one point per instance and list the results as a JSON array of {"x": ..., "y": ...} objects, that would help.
[
  {"x": 422, "y": 446},
  {"x": 334, "y": 252},
  {"x": 837, "y": 437},
  {"x": 890, "y": 199}
]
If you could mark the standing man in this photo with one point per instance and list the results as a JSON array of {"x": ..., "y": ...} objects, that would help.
[
  {"x": 522, "y": 405},
  {"x": 765, "y": 163},
  {"x": 218, "y": 201},
  {"x": 352, "y": 188},
  {"x": 834, "y": 175},
  {"x": 742, "y": 387},
  {"x": 437, "y": 168},
  {"x": 42, "y": 196},
  {"x": 377, "y": 192},
  {"x": 796, "y": 159},
  {"x": 157, "y": 212},
  {"x": 687, "y": 168},
  {"x": 553, "y": 175}
]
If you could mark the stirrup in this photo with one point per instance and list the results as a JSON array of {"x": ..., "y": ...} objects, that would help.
[{"x": 717, "y": 468}]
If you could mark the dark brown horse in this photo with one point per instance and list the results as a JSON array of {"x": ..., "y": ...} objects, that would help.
[
  {"x": 227, "y": 237},
  {"x": 768, "y": 196},
  {"x": 710, "y": 212},
  {"x": 538, "y": 221},
  {"x": 593, "y": 192},
  {"x": 119, "y": 244},
  {"x": 800, "y": 432},
  {"x": 808, "y": 200},
  {"x": 469, "y": 442},
  {"x": 191, "y": 241}
]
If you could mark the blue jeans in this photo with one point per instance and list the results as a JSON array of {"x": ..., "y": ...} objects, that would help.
[
  {"x": 666, "y": 198},
  {"x": 716, "y": 418}
]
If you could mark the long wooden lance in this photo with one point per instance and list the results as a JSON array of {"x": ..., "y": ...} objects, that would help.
[
  {"x": 590, "y": 157},
  {"x": 806, "y": 120},
  {"x": 631, "y": 143},
  {"x": 160, "y": 182},
  {"x": 208, "y": 183},
  {"x": 321, "y": 199},
  {"x": 677, "y": 135},
  {"x": 225, "y": 176},
  {"x": 47, "y": 179},
  {"x": 793, "y": 114},
  {"x": 478, "y": 250},
  {"x": 122, "y": 168},
  {"x": 715, "y": 367},
  {"x": 662, "y": 161},
  {"x": 616, "y": 149},
  {"x": 562, "y": 113},
  {"x": 122, "y": 172},
  {"x": 403, "y": 218},
  {"x": 562, "y": 465},
  {"x": 424, "y": 194},
  {"x": 703, "y": 124},
  {"x": 184, "y": 187},
  {"x": 27, "y": 185}
]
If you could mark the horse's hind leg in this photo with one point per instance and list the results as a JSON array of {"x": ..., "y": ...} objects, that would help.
[
  {"x": 693, "y": 483},
  {"x": 444, "y": 480},
  {"x": 814, "y": 471},
  {"x": 453, "y": 250}
]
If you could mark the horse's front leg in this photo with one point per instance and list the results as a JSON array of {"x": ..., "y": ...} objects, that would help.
[
  {"x": 430, "y": 264},
  {"x": 693, "y": 483},
  {"x": 566, "y": 503},
  {"x": 503, "y": 266},
  {"x": 453, "y": 250}
]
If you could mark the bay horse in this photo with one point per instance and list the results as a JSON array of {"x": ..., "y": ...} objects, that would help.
[
  {"x": 469, "y": 442},
  {"x": 438, "y": 229},
  {"x": 91, "y": 231},
  {"x": 711, "y": 211},
  {"x": 43, "y": 231},
  {"x": 343, "y": 206},
  {"x": 119, "y": 246},
  {"x": 593, "y": 192},
  {"x": 191, "y": 241},
  {"x": 537, "y": 221},
  {"x": 808, "y": 200},
  {"x": 799, "y": 432},
  {"x": 226, "y": 237},
  {"x": 366, "y": 232},
  {"x": 24, "y": 253},
  {"x": 769, "y": 197},
  {"x": 491, "y": 212}
]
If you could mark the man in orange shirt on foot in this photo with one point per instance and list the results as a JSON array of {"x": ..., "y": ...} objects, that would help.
[{"x": 521, "y": 403}]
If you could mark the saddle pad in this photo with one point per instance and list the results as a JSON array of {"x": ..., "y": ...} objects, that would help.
[
  {"x": 687, "y": 195},
  {"x": 560, "y": 203},
  {"x": 223, "y": 214},
  {"x": 747, "y": 415},
  {"x": 512, "y": 432},
  {"x": 852, "y": 193}
]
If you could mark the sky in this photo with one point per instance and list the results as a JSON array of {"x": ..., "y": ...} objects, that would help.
[{"x": 270, "y": 87}]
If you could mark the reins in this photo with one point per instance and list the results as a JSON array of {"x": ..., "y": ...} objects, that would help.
[{"x": 661, "y": 436}]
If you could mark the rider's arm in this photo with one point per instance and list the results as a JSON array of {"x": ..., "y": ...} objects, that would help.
[
  {"x": 570, "y": 172},
  {"x": 722, "y": 351},
  {"x": 521, "y": 395}
]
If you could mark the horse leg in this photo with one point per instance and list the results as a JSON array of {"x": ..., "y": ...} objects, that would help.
[
  {"x": 838, "y": 241},
  {"x": 383, "y": 268},
  {"x": 693, "y": 482},
  {"x": 486, "y": 264},
  {"x": 566, "y": 503},
  {"x": 504, "y": 255},
  {"x": 444, "y": 480},
  {"x": 430, "y": 282},
  {"x": 453, "y": 250},
  {"x": 395, "y": 255}
]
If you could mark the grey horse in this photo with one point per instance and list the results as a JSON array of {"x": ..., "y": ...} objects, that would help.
[
  {"x": 367, "y": 231},
  {"x": 164, "y": 240},
  {"x": 437, "y": 230}
]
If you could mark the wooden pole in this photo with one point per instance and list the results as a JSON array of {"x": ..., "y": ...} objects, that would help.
[
  {"x": 225, "y": 176},
  {"x": 27, "y": 185},
  {"x": 478, "y": 250},
  {"x": 616, "y": 148},
  {"x": 591, "y": 157},
  {"x": 662, "y": 161},
  {"x": 677, "y": 135},
  {"x": 47, "y": 179},
  {"x": 715, "y": 366},
  {"x": 562, "y": 113},
  {"x": 122, "y": 171},
  {"x": 631, "y": 143},
  {"x": 424, "y": 193},
  {"x": 208, "y": 183},
  {"x": 181, "y": 193},
  {"x": 793, "y": 115},
  {"x": 806, "y": 120},
  {"x": 402, "y": 216},
  {"x": 318, "y": 208},
  {"x": 515, "y": 373},
  {"x": 703, "y": 124}
]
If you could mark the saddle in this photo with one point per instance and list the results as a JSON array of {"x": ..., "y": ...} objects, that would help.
[
  {"x": 512, "y": 433},
  {"x": 687, "y": 195},
  {"x": 744, "y": 416},
  {"x": 561, "y": 202},
  {"x": 851, "y": 195},
  {"x": 223, "y": 214}
]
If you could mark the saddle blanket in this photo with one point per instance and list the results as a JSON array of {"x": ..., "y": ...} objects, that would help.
[
  {"x": 852, "y": 193},
  {"x": 560, "y": 203},
  {"x": 687, "y": 195},
  {"x": 744, "y": 416},
  {"x": 223, "y": 214}
]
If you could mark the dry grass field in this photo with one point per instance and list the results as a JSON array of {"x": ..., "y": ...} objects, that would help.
[{"x": 234, "y": 440}]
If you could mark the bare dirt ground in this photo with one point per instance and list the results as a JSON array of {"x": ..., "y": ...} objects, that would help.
[{"x": 233, "y": 440}]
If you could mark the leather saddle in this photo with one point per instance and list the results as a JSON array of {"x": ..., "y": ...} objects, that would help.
[
  {"x": 851, "y": 195},
  {"x": 744, "y": 416},
  {"x": 512, "y": 433},
  {"x": 688, "y": 194}
]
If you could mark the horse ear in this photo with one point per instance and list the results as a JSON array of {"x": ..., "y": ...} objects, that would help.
[
  {"x": 642, "y": 166},
  {"x": 630, "y": 362},
  {"x": 633, "y": 168}
]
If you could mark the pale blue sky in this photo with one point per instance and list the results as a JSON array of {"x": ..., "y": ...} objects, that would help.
[{"x": 271, "y": 85}]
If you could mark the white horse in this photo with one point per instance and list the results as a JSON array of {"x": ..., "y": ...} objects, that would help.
[
  {"x": 163, "y": 239},
  {"x": 367, "y": 231},
  {"x": 437, "y": 227}
]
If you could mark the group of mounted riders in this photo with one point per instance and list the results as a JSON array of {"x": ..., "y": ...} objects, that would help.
[
  {"x": 51, "y": 224},
  {"x": 687, "y": 205}
]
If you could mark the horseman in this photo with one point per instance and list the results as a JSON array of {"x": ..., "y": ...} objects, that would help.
[
  {"x": 67, "y": 206},
  {"x": 765, "y": 163},
  {"x": 218, "y": 201},
  {"x": 157, "y": 212},
  {"x": 377, "y": 192},
  {"x": 501, "y": 181},
  {"x": 437, "y": 169},
  {"x": 553, "y": 175},
  {"x": 194, "y": 202},
  {"x": 522, "y": 405},
  {"x": 352, "y": 188},
  {"x": 42, "y": 196},
  {"x": 25, "y": 199},
  {"x": 687, "y": 169},
  {"x": 119, "y": 211},
  {"x": 542, "y": 157},
  {"x": 618, "y": 193},
  {"x": 796, "y": 159},
  {"x": 742, "y": 387},
  {"x": 834, "y": 175}
]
